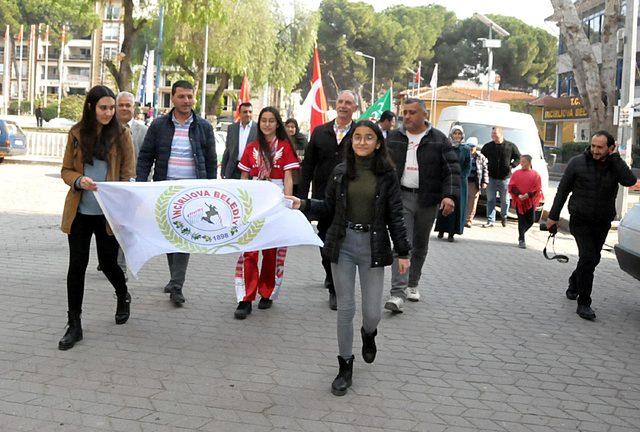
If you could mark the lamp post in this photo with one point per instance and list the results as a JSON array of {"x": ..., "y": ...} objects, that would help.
[
  {"x": 490, "y": 43},
  {"x": 373, "y": 77}
]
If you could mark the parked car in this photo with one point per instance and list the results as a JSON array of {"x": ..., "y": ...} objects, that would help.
[
  {"x": 628, "y": 247},
  {"x": 13, "y": 141},
  {"x": 477, "y": 119}
]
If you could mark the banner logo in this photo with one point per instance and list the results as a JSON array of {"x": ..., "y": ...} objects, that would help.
[{"x": 204, "y": 219}]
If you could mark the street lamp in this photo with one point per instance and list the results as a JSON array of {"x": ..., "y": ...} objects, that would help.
[
  {"x": 490, "y": 43},
  {"x": 373, "y": 79}
]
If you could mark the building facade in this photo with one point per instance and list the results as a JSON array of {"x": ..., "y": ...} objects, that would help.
[{"x": 564, "y": 114}]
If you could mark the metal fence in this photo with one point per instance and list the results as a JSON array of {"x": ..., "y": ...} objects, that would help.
[{"x": 46, "y": 143}]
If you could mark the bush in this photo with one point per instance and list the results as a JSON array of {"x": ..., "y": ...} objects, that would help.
[
  {"x": 50, "y": 112},
  {"x": 71, "y": 107},
  {"x": 13, "y": 107}
]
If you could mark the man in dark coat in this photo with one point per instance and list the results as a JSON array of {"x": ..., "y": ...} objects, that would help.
[
  {"x": 592, "y": 178},
  {"x": 502, "y": 155},
  {"x": 429, "y": 174},
  {"x": 238, "y": 136},
  {"x": 325, "y": 150},
  {"x": 179, "y": 145}
]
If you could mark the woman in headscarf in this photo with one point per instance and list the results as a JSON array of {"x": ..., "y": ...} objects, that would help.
[{"x": 454, "y": 223}]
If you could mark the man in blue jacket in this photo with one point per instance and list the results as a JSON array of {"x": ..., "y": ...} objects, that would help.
[
  {"x": 592, "y": 178},
  {"x": 180, "y": 145}
]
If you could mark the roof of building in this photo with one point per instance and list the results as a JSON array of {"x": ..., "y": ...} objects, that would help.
[{"x": 461, "y": 94}]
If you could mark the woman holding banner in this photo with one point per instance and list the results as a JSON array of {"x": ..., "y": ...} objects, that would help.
[
  {"x": 363, "y": 196},
  {"x": 98, "y": 149},
  {"x": 271, "y": 157}
]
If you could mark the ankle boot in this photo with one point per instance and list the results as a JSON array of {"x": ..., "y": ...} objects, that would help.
[
  {"x": 74, "y": 332},
  {"x": 123, "y": 309},
  {"x": 369, "y": 345},
  {"x": 343, "y": 380}
]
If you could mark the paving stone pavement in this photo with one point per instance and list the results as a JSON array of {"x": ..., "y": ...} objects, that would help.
[{"x": 492, "y": 346}]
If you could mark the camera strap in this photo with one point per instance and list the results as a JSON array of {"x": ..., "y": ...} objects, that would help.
[{"x": 560, "y": 258}]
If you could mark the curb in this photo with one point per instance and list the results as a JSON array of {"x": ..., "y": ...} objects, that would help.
[{"x": 51, "y": 161}]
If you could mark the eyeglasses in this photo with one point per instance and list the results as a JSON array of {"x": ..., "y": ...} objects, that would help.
[{"x": 364, "y": 138}]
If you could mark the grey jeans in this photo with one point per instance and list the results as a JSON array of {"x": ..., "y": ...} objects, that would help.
[
  {"x": 355, "y": 253},
  {"x": 419, "y": 222},
  {"x": 178, "y": 263}
]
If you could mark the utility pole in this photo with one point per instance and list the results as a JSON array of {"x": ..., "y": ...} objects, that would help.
[
  {"x": 204, "y": 72},
  {"x": 627, "y": 97}
]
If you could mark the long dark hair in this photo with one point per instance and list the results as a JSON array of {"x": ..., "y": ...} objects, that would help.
[
  {"x": 381, "y": 161},
  {"x": 281, "y": 134},
  {"x": 294, "y": 122},
  {"x": 92, "y": 144}
]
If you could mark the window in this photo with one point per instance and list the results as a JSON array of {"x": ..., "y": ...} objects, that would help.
[
  {"x": 593, "y": 27},
  {"x": 550, "y": 131},
  {"x": 111, "y": 31},
  {"x": 109, "y": 53},
  {"x": 166, "y": 100},
  {"x": 112, "y": 12}
]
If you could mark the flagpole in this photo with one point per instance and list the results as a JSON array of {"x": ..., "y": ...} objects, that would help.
[
  {"x": 419, "y": 78},
  {"x": 6, "y": 83},
  {"x": 204, "y": 71},
  {"x": 156, "y": 94},
  {"x": 46, "y": 66},
  {"x": 61, "y": 67},
  {"x": 20, "y": 63},
  {"x": 31, "y": 76}
]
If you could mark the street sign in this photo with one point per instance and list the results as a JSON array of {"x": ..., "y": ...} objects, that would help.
[{"x": 625, "y": 116}]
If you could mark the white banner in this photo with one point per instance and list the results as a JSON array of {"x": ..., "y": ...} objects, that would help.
[{"x": 200, "y": 216}]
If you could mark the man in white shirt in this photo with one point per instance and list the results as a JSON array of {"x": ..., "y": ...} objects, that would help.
[
  {"x": 238, "y": 136},
  {"x": 429, "y": 174}
]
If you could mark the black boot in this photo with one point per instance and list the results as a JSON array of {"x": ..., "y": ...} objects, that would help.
[
  {"x": 369, "y": 349},
  {"x": 343, "y": 380},
  {"x": 333, "y": 301},
  {"x": 74, "y": 332},
  {"x": 123, "y": 309}
]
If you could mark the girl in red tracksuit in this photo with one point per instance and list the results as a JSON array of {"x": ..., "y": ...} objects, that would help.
[{"x": 271, "y": 157}]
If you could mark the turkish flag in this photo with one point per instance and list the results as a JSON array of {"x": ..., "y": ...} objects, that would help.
[
  {"x": 319, "y": 105},
  {"x": 243, "y": 97}
]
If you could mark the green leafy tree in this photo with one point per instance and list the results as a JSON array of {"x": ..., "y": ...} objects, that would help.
[
  {"x": 120, "y": 67},
  {"x": 79, "y": 15},
  {"x": 526, "y": 59}
]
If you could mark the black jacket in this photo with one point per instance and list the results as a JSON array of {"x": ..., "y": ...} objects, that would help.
[
  {"x": 156, "y": 148},
  {"x": 501, "y": 162},
  {"x": 387, "y": 214},
  {"x": 438, "y": 166},
  {"x": 594, "y": 186},
  {"x": 321, "y": 156}
]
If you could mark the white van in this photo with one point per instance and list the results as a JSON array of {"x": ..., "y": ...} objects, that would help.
[{"x": 478, "y": 117}]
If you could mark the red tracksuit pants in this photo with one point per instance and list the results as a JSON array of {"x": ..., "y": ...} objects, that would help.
[{"x": 267, "y": 281}]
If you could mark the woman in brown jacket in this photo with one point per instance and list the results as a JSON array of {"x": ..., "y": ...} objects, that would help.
[{"x": 98, "y": 149}]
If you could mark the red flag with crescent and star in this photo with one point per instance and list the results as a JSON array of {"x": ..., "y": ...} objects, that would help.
[
  {"x": 319, "y": 105},
  {"x": 243, "y": 96}
]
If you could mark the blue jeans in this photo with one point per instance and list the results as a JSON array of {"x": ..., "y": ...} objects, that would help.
[{"x": 495, "y": 186}]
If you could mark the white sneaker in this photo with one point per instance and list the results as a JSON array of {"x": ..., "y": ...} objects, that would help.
[
  {"x": 394, "y": 304},
  {"x": 413, "y": 294}
]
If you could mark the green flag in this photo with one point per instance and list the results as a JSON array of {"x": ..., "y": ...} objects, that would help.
[{"x": 381, "y": 105}]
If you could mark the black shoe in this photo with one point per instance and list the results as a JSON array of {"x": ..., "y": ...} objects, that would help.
[
  {"x": 343, "y": 381},
  {"x": 176, "y": 297},
  {"x": 333, "y": 301},
  {"x": 504, "y": 222},
  {"x": 369, "y": 349},
  {"x": 244, "y": 309},
  {"x": 571, "y": 295},
  {"x": 440, "y": 235},
  {"x": 74, "y": 332},
  {"x": 265, "y": 303},
  {"x": 123, "y": 309},
  {"x": 328, "y": 283},
  {"x": 586, "y": 312},
  {"x": 168, "y": 288},
  {"x": 450, "y": 238}
]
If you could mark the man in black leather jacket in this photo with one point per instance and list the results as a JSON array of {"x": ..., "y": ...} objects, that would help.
[
  {"x": 592, "y": 177},
  {"x": 429, "y": 174}
]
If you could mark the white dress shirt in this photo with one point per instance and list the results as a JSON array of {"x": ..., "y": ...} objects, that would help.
[{"x": 243, "y": 137}]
